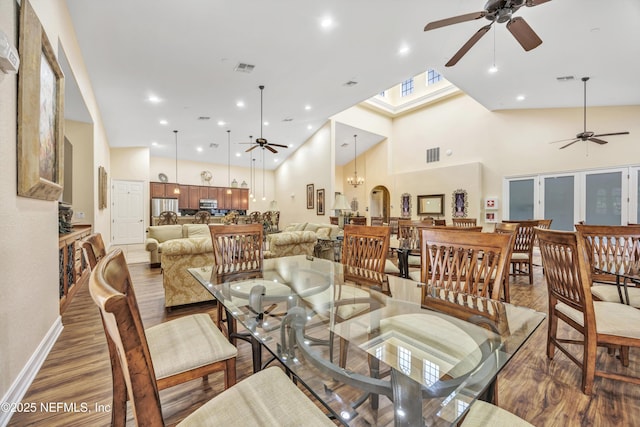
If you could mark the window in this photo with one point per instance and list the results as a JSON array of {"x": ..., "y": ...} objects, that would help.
[
  {"x": 407, "y": 87},
  {"x": 433, "y": 77},
  {"x": 382, "y": 94}
]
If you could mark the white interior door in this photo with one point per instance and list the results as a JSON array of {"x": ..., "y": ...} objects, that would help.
[{"x": 127, "y": 212}]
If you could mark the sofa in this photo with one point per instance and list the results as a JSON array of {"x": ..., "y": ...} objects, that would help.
[
  {"x": 177, "y": 256},
  {"x": 290, "y": 243},
  {"x": 158, "y": 235},
  {"x": 299, "y": 239}
]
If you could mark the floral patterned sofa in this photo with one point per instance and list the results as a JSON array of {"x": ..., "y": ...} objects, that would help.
[{"x": 290, "y": 243}]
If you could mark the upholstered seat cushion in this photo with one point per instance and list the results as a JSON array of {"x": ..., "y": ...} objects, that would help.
[
  {"x": 610, "y": 293},
  {"x": 266, "y": 398},
  {"x": 611, "y": 318},
  {"x": 482, "y": 414},
  {"x": 519, "y": 256},
  {"x": 196, "y": 230},
  {"x": 186, "y": 343},
  {"x": 414, "y": 260},
  {"x": 390, "y": 267},
  {"x": 415, "y": 275}
]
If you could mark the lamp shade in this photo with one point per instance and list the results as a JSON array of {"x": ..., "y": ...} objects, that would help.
[{"x": 340, "y": 203}]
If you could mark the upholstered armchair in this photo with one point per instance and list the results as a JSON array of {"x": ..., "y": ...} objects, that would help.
[{"x": 290, "y": 243}]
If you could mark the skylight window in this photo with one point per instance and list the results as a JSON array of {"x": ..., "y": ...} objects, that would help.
[{"x": 407, "y": 87}]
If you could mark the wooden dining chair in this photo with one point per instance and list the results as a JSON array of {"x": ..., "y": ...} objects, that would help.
[
  {"x": 567, "y": 271},
  {"x": 168, "y": 218},
  {"x": 522, "y": 253},
  {"x": 468, "y": 262},
  {"x": 94, "y": 248},
  {"x": 464, "y": 222},
  {"x": 202, "y": 217},
  {"x": 510, "y": 228},
  {"x": 171, "y": 352},
  {"x": 239, "y": 255},
  {"x": 377, "y": 220},
  {"x": 364, "y": 254},
  {"x": 611, "y": 247}
]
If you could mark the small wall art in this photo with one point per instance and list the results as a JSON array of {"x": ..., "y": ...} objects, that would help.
[
  {"x": 310, "y": 196},
  {"x": 459, "y": 204},
  {"x": 320, "y": 202}
]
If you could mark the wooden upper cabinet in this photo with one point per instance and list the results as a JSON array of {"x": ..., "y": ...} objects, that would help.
[
  {"x": 169, "y": 189},
  {"x": 157, "y": 189},
  {"x": 244, "y": 199},
  {"x": 194, "y": 197},
  {"x": 213, "y": 193},
  {"x": 204, "y": 192},
  {"x": 183, "y": 198}
]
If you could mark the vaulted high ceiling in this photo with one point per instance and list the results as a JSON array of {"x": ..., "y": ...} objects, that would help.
[{"x": 185, "y": 52}]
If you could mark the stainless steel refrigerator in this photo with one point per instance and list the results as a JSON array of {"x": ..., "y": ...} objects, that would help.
[{"x": 161, "y": 205}]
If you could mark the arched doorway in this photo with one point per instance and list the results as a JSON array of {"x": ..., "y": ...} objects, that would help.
[{"x": 380, "y": 203}]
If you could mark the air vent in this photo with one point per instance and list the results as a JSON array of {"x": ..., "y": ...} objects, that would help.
[
  {"x": 244, "y": 68},
  {"x": 565, "y": 78},
  {"x": 204, "y": 118},
  {"x": 213, "y": 145},
  {"x": 287, "y": 119},
  {"x": 433, "y": 155},
  {"x": 350, "y": 83}
]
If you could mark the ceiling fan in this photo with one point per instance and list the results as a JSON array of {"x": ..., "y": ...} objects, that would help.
[
  {"x": 500, "y": 11},
  {"x": 588, "y": 135},
  {"x": 262, "y": 142}
]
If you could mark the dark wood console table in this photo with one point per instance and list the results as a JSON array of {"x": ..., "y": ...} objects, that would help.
[{"x": 73, "y": 267}]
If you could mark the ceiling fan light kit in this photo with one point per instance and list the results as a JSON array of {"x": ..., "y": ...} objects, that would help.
[
  {"x": 499, "y": 11},
  {"x": 262, "y": 142}
]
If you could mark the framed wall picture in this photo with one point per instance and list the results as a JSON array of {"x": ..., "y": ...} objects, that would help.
[
  {"x": 320, "y": 202},
  {"x": 431, "y": 205},
  {"x": 310, "y": 196},
  {"x": 491, "y": 203},
  {"x": 102, "y": 187},
  {"x": 490, "y": 217},
  {"x": 40, "y": 112},
  {"x": 405, "y": 205},
  {"x": 459, "y": 204}
]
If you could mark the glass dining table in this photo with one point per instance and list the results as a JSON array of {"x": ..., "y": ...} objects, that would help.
[{"x": 368, "y": 357}]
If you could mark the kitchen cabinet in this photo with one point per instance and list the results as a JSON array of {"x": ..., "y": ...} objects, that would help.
[
  {"x": 169, "y": 190},
  {"x": 190, "y": 195},
  {"x": 157, "y": 189},
  {"x": 183, "y": 198},
  {"x": 194, "y": 197}
]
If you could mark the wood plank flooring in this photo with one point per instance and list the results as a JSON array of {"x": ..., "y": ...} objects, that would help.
[{"x": 77, "y": 371}]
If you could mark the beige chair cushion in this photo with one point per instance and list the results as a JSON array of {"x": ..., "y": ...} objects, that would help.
[
  {"x": 610, "y": 293},
  {"x": 266, "y": 398},
  {"x": 415, "y": 275},
  {"x": 186, "y": 343},
  {"x": 611, "y": 318},
  {"x": 390, "y": 267},
  {"x": 519, "y": 256},
  {"x": 483, "y": 414},
  {"x": 414, "y": 260},
  {"x": 196, "y": 230}
]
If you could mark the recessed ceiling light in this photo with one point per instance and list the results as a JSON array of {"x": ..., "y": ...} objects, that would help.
[
  {"x": 199, "y": 149},
  {"x": 404, "y": 50},
  {"x": 154, "y": 99},
  {"x": 275, "y": 160},
  {"x": 307, "y": 107},
  {"x": 520, "y": 97},
  {"x": 154, "y": 143},
  {"x": 238, "y": 154},
  {"x": 309, "y": 127},
  {"x": 326, "y": 22},
  {"x": 493, "y": 69},
  {"x": 265, "y": 123},
  {"x": 164, "y": 122},
  {"x": 240, "y": 104},
  {"x": 221, "y": 123},
  {"x": 290, "y": 145}
]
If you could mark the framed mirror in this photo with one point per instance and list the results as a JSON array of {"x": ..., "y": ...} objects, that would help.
[{"x": 432, "y": 204}]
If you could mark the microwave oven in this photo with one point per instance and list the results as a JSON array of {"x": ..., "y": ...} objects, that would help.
[{"x": 208, "y": 204}]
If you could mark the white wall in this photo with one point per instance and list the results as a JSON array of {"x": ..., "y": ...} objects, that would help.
[
  {"x": 29, "y": 227},
  {"x": 80, "y": 135}
]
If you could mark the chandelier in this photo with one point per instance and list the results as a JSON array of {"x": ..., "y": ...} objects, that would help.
[{"x": 355, "y": 180}]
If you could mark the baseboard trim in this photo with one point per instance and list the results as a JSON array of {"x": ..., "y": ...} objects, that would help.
[{"x": 22, "y": 383}]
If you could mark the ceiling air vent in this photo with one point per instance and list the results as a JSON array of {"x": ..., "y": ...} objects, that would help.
[
  {"x": 433, "y": 155},
  {"x": 565, "y": 78},
  {"x": 244, "y": 68},
  {"x": 350, "y": 83}
]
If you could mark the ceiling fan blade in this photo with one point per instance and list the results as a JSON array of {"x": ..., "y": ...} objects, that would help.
[
  {"x": 531, "y": 3},
  {"x": 468, "y": 45},
  {"x": 252, "y": 148},
  {"x": 278, "y": 145},
  {"x": 598, "y": 141},
  {"x": 571, "y": 143},
  {"x": 525, "y": 35},
  {"x": 610, "y": 134},
  {"x": 562, "y": 140},
  {"x": 455, "y": 20},
  {"x": 268, "y": 147}
]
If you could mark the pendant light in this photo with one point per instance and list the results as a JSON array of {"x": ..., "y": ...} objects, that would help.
[
  {"x": 355, "y": 180},
  {"x": 228, "y": 161},
  {"x": 176, "y": 190},
  {"x": 251, "y": 185}
]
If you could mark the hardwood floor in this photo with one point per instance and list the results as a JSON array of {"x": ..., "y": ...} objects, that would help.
[{"x": 77, "y": 371}]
